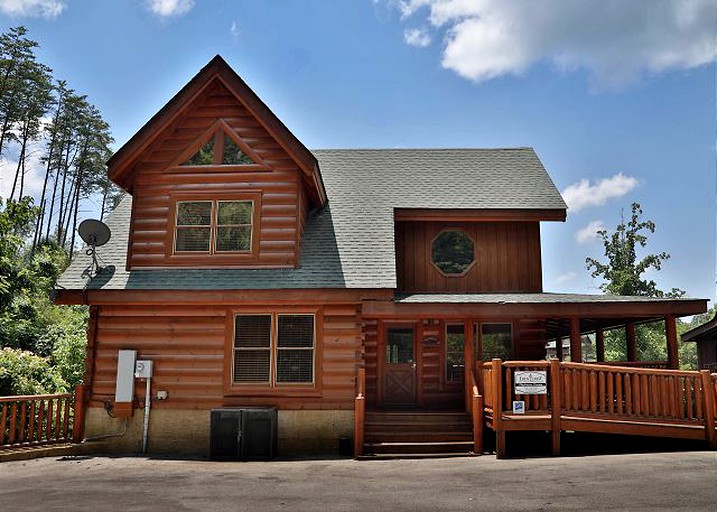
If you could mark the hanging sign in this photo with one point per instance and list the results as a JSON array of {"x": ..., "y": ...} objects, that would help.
[{"x": 531, "y": 382}]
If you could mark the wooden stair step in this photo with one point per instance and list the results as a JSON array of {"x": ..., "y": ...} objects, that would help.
[
  {"x": 418, "y": 447},
  {"x": 417, "y": 436}
]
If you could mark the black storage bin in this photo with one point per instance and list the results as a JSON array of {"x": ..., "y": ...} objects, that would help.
[{"x": 243, "y": 434}]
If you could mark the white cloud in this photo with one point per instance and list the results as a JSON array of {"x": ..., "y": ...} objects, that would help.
[
  {"x": 170, "y": 8},
  {"x": 565, "y": 277},
  {"x": 34, "y": 176},
  {"x": 416, "y": 37},
  {"x": 615, "y": 40},
  {"x": 584, "y": 193},
  {"x": 589, "y": 232},
  {"x": 33, "y": 8},
  {"x": 235, "y": 29}
]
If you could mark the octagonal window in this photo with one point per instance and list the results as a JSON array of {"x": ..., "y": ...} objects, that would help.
[{"x": 453, "y": 252}]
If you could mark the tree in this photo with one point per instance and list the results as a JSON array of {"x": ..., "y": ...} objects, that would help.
[
  {"x": 622, "y": 275},
  {"x": 622, "y": 272}
]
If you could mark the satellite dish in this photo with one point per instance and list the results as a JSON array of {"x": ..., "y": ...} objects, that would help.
[{"x": 95, "y": 233}]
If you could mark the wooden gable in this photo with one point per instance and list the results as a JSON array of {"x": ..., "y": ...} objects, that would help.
[{"x": 216, "y": 142}]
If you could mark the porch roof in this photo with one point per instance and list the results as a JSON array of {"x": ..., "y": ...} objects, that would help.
[
  {"x": 704, "y": 332},
  {"x": 556, "y": 309}
]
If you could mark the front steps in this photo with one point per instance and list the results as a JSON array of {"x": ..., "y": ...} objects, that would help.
[{"x": 417, "y": 434}]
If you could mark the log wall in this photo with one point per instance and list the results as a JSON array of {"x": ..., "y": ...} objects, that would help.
[
  {"x": 158, "y": 181},
  {"x": 188, "y": 347},
  {"x": 507, "y": 257}
]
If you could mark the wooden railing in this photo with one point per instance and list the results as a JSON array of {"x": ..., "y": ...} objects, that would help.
[
  {"x": 359, "y": 412},
  {"x": 474, "y": 407},
  {"x": 632, "y": 393},
  {"x": 602, "y": 398},
  {"x": 660, "y": 365},
  {"x": 36, "y": 420}
]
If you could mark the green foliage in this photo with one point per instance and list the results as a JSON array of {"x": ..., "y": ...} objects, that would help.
[
  {"x": 24, "y": 373},
  {"x": 15, "y": 222},
  {"x": 622, "y": 275},
  {"x": 622, "y": 272}
]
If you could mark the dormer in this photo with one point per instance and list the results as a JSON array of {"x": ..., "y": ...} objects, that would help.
[{"x": 217, "y": 180}]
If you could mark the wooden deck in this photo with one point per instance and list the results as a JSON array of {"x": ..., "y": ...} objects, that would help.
[
  {"x": 603, "y": 399},
  {"x": 582, "y": 397}
]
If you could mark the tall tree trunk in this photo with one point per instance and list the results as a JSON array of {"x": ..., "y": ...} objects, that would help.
[
  {"x": 19, "y": 176},
  {"x": 77, "y": 207}
]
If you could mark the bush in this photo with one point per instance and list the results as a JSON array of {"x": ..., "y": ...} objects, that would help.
[{"x": 24, "y": 373}]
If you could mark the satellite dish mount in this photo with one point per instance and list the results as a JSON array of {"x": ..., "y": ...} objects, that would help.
[{"x": 95, "y": 234}]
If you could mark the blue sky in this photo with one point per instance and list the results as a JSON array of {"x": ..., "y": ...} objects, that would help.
[{"x": 617, "y": 98}]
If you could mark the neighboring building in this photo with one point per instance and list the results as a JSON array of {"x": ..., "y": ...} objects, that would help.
[
  {"x": 255, "y": 272},
  {"x": 705, "y": 337}
]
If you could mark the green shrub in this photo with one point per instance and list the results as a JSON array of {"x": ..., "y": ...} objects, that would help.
[{"x": 24, "y": 373}]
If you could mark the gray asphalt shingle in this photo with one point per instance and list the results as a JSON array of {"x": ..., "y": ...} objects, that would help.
[{"x": 350, "y": 243}]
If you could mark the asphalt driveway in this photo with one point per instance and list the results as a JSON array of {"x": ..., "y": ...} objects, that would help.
[{"x": 662, "y": 481}]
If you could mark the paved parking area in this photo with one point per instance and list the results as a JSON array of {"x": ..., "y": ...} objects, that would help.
[{"x": 662, "y": 481}]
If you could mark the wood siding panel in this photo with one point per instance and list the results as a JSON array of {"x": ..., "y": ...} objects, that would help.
[
  {"x": 507, "y": 257},
  {"x": 187, "y": 345},
  {"x": 157, "y": 182}
]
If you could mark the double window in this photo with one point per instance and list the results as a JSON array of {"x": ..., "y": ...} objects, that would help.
[
  {"x": 274, "y": 349},
  {"x": 213, "y": 226},
  {"x": 491, "y": 340}
]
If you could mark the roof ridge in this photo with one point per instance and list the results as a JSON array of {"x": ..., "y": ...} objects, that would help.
[{"x": 517, "y": 148}]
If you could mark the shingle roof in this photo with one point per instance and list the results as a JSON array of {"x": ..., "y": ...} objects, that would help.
[
  {"x": 527, "y": 298},
  {"x": 350, "y": 243}
]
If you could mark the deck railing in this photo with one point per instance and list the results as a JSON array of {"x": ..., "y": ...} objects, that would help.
[
  {"x": 660, "y": 365},
  {"x": 36, "y": 420},
  {"x": 474, "y": 407},
  {"x": 359, "y": 411},
  {"x": 602, "y": 398},
  {"x": 632, "y": 393}
]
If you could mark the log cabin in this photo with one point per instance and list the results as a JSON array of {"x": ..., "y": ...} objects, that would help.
[{"x": 256, "y": 273}]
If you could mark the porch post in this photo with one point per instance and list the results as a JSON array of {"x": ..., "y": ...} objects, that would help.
[
  {"x": 673, "y": 358},
  {"x": 576, "y": 349},
  {"x": 559, "y": 348},
  {"x": 469, "y": 362},
  {"x": 600, "y": 344},
  {"x": 631, "y": 342}
]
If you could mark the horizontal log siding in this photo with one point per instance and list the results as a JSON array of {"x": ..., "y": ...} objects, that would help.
[
  {"x": 507, "y": 257},
  {"x": 280, "y": 185},
  {"x": 187, "y": 345}
]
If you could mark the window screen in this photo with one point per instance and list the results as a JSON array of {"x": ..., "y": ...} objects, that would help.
[
  {"x": 233, "y": 226},
  {"x": 295, "y": 349},
  {"x": 193, "y": 231},
  {"x": 252, "y": 348}
]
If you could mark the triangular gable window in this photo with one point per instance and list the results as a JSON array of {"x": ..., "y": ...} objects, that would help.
[
  {"x": 205, "y": 155},
  {"x": 221, "y": 149},
  {"x": 234, "y": 155}
]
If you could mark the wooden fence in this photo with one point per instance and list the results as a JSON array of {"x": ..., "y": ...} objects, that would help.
[
  {"x": 602, "y": 398},
  {"x": 39, "y": 420}
]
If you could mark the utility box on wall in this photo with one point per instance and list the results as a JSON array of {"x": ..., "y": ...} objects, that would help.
[
  {"x": 124, "y": 388},
  {"x": 243, "y": 434}
]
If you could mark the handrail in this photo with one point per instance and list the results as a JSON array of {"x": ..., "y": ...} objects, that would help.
[
  {"x": 640, "y": 371},
  {"x": 657, "y": 365},
  {"x": 476, "y": 411},
  {"x": 16, "y": 398},
  {"x": 359, "y": 412}
]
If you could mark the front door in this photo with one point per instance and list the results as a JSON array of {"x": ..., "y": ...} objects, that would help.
[{"x": 399, "y": 369}]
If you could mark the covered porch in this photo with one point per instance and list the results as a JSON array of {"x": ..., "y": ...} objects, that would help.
[{"x": 425, "y": 352}]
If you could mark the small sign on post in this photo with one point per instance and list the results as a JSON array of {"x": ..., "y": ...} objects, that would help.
[
  {"x": 518, "y": 406},
  {"x": 531, "y": 382}
]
